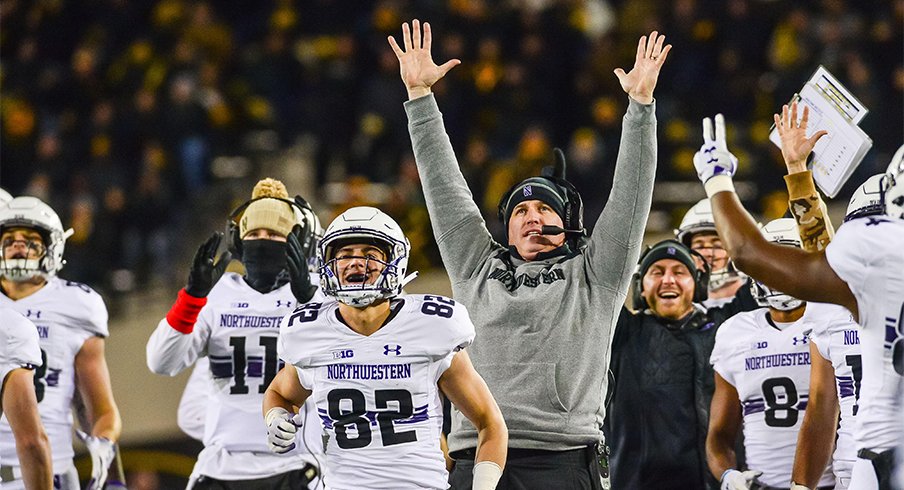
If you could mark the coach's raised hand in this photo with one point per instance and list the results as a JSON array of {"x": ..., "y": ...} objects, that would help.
[
  {"x": 796, "y": 146},
  {"x": 416, "y": 65},
  {"x": 641, "y": 80}
]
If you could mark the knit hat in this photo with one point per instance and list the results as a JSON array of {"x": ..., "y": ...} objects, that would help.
[
  {"x": 271, "y": 214},
  {"x": 534, "y": 188},
  {"x": 667, "y": 249}
]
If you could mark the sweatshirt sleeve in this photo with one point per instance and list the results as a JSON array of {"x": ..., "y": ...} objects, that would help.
[
  {"x": 461, "y": 234},
  {"x": 614, "y": 246},
  {"x": 170, "y": 351}
]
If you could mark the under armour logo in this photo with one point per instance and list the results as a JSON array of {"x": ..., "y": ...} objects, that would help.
[
  {"x": 281, "y": 303},
  {"x": 802, "y": 340},
  {"x": 36, "y": 314},
  {"x": 875, "y": 221},
  {"x": 397, "y": 349},
  {"x": 710, "y": 150},
  {"x": 528, "y": 190}
]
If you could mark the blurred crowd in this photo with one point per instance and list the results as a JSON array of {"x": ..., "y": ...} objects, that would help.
[{"x": 124, "y": 115}]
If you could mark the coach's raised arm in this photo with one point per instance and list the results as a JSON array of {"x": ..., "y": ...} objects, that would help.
[{"x": 543, "y": 306}]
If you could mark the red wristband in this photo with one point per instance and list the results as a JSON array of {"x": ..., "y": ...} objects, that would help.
[{"x": 184, "y": 313}]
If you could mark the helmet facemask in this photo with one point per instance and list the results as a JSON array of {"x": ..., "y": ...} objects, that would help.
[
  {"x": 366, "y": 226},
  {"x": 893, "y": 186},
  {"x": 782, "y": 231},
  {"x": 32, "y": 213},
  {"x": 25, "y": 268}
]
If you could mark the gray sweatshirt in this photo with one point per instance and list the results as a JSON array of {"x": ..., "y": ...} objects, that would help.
[{"x": 544, "y": 327}]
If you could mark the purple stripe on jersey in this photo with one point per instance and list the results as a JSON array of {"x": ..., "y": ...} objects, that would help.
[
  {"x": 53, "y": 377},
  {"x": 845, "y": 386},
  {"x": 420, "y": 415},
  {"x": 255, "y": 367},
  {"x": 220, "y": 369},
  {"x": 753, "y": 405}
]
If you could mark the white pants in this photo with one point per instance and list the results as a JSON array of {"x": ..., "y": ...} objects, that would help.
[
  {"x": 864, "y": 476},
  {"x": 67, "y": 480}
]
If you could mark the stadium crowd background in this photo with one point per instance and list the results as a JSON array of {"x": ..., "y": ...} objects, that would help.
[{"x": 143, "y": 122}]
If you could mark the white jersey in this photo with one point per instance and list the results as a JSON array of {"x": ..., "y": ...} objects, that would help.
[
  {"x": 19, "y": 346},
  {"x": 237, "y": 331},
  {"x": 66, "y": 314},
  {"x": 868, "y": 254},
  {"x": 377, "y": 395},
  {"x": 837, "y": 338},
  {"x": 195, "y": 398},
  {"x": 770, "y": 368}
]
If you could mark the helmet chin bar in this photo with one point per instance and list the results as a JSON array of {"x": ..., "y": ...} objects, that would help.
[
  {"x": 768, "y": 298},
  {"x": 21, "y": 270},
  {"x": 355, "y": 295}
]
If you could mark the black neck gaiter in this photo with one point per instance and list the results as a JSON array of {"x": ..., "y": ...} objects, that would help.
[{"x": 264, "y": 262}]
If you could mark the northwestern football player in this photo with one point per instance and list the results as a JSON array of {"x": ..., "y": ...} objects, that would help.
[
  {"x": 762, "y": 364},
  {"x": 698, "y": 231},
  {"x": 233, "y": 320},
  {"x": 20, "y": 354},
  {"x": 375, "y": 363},
  {"x": 71, "y": 321},
  {"x": 860, "y": 270}
]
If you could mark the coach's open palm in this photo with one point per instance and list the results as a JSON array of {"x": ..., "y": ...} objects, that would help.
[
  {"x": 796, "y": 147},
  {"x": 641, "y": 80},
  {"x": 416, "y": 65}
]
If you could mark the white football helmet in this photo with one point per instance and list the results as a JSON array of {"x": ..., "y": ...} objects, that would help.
[
  {"x": 784, "y": 232},
  {"x": 31, "y": 212},
  {"x": 894, "y": 185},
  {"x": 364, "y": 224},
  {"x": 5, "y": 197},
  {"x": 698, "y": 219},
  {"x": 868, "y": 199}
]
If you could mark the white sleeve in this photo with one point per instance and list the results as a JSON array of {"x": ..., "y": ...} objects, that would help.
[
  {"x": 846, "y": 257},
  {"x": 20, "y": 347},
  {"x": 193, "y": 405},
  {"x": 170, "y": 351},
  {"x": 723, "y": 350}
]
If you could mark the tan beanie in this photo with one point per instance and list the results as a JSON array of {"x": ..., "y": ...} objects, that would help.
[{"x": 271, "y": 214}]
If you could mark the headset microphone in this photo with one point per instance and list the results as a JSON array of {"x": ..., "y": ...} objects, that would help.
[{"x": 557, "y": 230}]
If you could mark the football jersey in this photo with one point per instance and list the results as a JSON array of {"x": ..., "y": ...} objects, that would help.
[
  {"x": 237, "y": 331},
  {"x": 770, "y": 369},
  {"x": 66, "y": 314},
  {"x": 837, "y": 338},
  {"x": 868, "y": 254},
  {"x": 377, "y": 395},
  {"x": 18, "y": 344}
]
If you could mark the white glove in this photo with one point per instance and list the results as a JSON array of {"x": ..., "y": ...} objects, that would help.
[
  {"x": 714, "y": 158},
  {"x": 738, "y": 480},
  {"x": 102, "y": 451},
  {"x": 281, "y": 429},
  {"x": 798, "y": 486}
]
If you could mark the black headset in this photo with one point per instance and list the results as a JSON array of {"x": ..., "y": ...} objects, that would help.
[
  {"x": 299, "y": 206},
  {"x": 701, "y": 277},
  {"x": 573, "y": 221}
]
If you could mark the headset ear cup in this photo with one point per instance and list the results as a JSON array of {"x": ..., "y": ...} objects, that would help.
[
  {"x": 637, "y": 299},
  {"x": 233, "y": 240}
]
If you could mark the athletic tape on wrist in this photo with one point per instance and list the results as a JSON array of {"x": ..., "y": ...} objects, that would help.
[
  {"x": 717, "y": 184},
  {"x": 184, "y": 313},
  {"x": 486, "y": 475}
]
